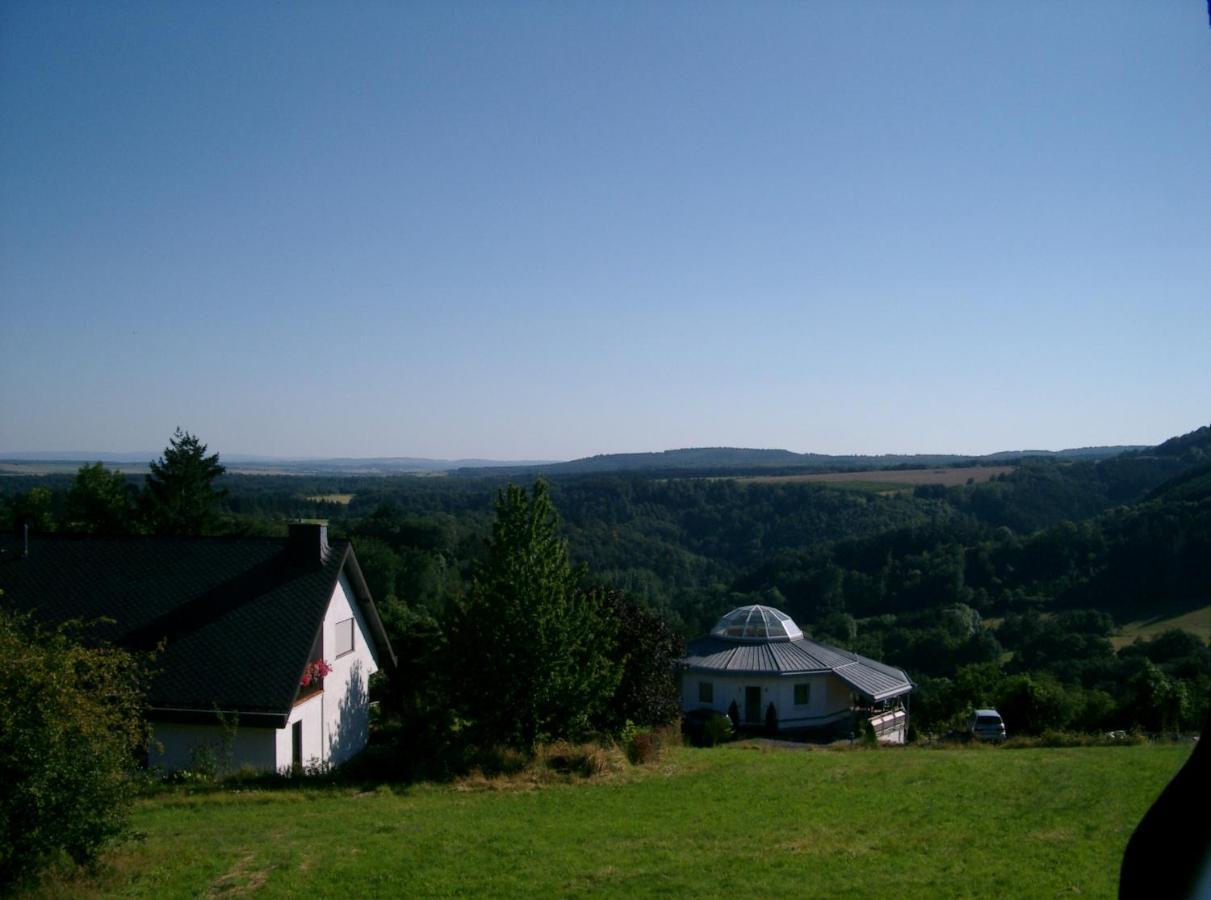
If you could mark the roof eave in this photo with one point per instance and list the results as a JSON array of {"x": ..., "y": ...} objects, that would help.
[
  {"x": 196, "y": 716},
  {"x": 366, "y": 602}
]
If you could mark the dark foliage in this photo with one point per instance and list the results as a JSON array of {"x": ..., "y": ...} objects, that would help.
[
  {"x": 649, "y": 651},
  {"x": 180, "y": 498},
  {"x": 71, "y": 729},
  {"x": 416, "y": 693},
  {"x": 771, "y": 720},
  {"x": 101, "y": 502}
]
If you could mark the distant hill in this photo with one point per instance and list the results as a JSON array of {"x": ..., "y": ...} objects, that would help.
[
  {"x": 686, "y": 461},
  {"x": 1194, "y": 443},
  {"x": 1082, "y": 453},
  {"x": 733, "y": 460}
]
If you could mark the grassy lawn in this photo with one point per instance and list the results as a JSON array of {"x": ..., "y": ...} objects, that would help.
[{"x": 729, "y": 821}]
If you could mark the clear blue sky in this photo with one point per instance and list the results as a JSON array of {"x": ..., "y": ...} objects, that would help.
[{"x": 547, "y": 230}]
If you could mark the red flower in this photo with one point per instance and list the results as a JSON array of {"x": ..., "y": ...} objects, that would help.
[{"x": 315, "y": 671}]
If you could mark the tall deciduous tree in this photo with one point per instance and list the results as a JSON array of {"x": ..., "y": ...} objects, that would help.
[
  {"x": 100, "y": 501},
  {"x": 180, "y": 495},
  {"x": 533, "y": 652}
]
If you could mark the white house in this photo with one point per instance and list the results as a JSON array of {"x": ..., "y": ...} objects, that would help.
[
  {"x": 244, "y": 626},
  {"x": 757, "y": 663}
]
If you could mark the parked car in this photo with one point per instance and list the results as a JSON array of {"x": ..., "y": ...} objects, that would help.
[
  {"x": 705, "y": 727},
  {"x": 987, "y": 725}
]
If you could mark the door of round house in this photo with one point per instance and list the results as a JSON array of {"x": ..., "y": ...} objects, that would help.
[{"x": 752, "y": 706}]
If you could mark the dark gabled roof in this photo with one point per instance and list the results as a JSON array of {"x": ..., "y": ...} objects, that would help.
[
  {"x": 239, "y": 616},
  {"x": 802, "y": 656}
]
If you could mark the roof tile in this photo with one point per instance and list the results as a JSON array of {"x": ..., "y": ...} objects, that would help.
[
  {"x": 237, "y": 616},
  {"x": 868, "y": 677}
]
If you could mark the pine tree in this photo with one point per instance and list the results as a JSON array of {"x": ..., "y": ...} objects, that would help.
[
  {"x": 179, "y": 497},
  {"x": 533, "y": 651}
]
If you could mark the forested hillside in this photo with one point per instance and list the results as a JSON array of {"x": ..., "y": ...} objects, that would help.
[{"x": 1057, "y": 554}]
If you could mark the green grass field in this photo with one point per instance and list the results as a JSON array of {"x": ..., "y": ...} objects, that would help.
[{"x": 730, "y": 821}]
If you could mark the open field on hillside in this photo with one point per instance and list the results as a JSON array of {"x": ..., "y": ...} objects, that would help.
[
  {"x": 724, "y": 822},
  {"x": 339, "y": 499},
  {"x": 53, "y": 467},
  {"x": 887, "y": 479},
  {"x": 1196, "y": 621}
]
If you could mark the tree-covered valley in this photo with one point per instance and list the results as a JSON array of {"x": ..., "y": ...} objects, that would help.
[{"x": 1014, "y": 591}]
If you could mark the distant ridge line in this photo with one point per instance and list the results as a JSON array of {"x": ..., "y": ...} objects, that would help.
[
  {"x": 733, "y": 459},
  {"x": 688, "y": 460}
]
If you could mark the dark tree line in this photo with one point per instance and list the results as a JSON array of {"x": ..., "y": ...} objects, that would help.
[{"x": 178, "y": 497}]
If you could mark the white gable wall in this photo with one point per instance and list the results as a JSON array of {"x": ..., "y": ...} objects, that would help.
[
  {"x": 347, "y": 709},
  {"x": 336, "y": 721}
]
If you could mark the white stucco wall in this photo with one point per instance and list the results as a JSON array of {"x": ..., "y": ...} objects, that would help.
[
  {"x": 346, "y": 691},
  {"x": 828, "y": 697},
  {"x": 311, "y": 713}
]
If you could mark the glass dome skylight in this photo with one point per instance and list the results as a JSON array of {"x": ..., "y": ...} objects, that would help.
[{"x": 757, "y": 623}]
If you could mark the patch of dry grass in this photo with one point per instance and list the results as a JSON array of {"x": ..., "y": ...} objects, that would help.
[{"x": 338, "y": 499}]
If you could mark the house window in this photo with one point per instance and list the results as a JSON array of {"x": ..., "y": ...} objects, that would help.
[
  {"x": 803, "y": 694},
  {"x": 706, "y": 692},
  {"x": 344, "y": 637}
]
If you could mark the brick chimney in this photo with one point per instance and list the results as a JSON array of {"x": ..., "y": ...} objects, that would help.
[{"x": 307, "y": 544}]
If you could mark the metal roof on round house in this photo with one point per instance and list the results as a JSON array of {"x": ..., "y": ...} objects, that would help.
[{"x": 759, "y": 667}]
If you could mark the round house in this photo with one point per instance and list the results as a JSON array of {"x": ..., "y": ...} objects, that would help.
[{"x": 759, "y": 667}]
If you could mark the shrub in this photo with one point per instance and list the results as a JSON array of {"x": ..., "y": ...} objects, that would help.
[
  {"x": 497, "y": 759},
  {"x": 1053, "y": 738},
  {"x": 585, "y": 760},
  {"x": 866, "y": 732},
  {"x": 718, "y": 729},
  {"x": 647, "y": 691},
  {"x": 643, "y": 748},
  {"x": 71, "y": 730}
]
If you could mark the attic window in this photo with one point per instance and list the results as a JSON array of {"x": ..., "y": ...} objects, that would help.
[{"x": 344, "y": 637}]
